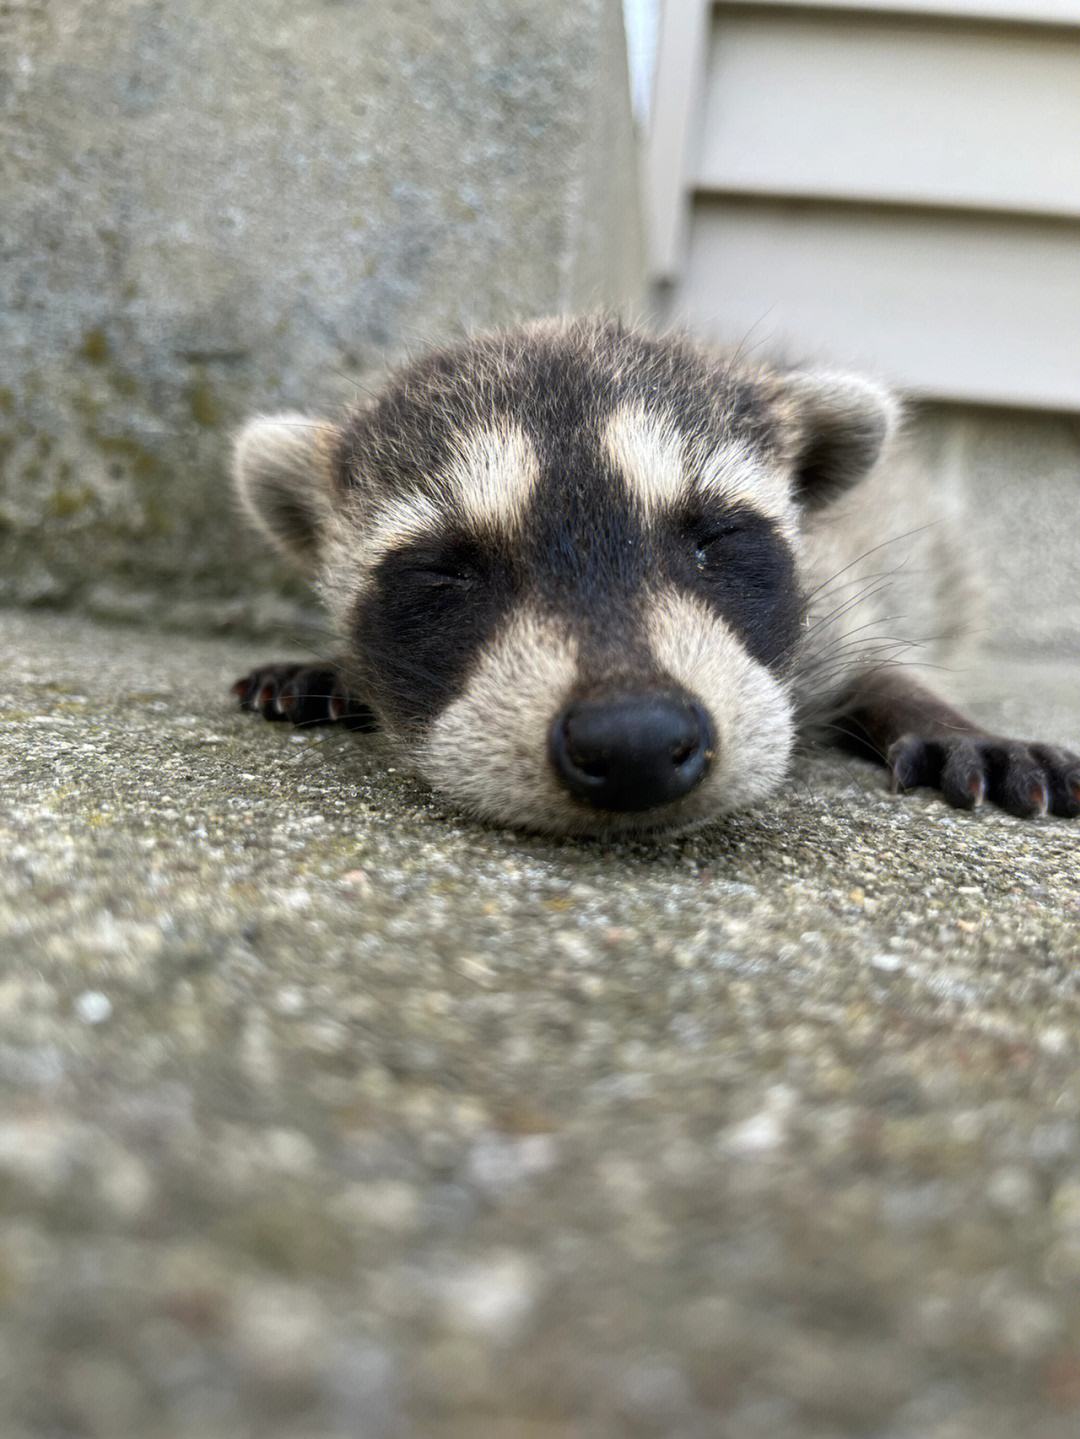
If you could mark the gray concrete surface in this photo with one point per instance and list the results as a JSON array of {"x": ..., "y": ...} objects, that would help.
[
  {"x": 217, "y": 206},
  {"x": 327, "y": 1115}
]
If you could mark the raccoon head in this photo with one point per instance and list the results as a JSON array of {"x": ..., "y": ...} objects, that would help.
[{"x": 565, "y": 564}]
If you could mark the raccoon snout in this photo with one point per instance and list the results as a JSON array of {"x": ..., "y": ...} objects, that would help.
[{"x": 632, "y": 753}]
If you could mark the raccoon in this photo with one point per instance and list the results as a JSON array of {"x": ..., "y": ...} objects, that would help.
[{"x": 594, "y": 581}]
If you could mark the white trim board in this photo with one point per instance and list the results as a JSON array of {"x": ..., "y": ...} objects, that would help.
[{"x": 1020, "y": 12}]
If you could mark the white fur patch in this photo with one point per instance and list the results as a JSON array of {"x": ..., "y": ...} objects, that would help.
[
  {"x": 488, "y": 750},
  {"x": 663, "y": 467},
  {"x": 750, "y": 709},
  {"x": 494, "y": 474},
  {"x": 738, "y": 477},
  {"x": 647, "y": 448},
  {"x": 400, "y": 520},
  {"x": 490, "y": 480}
]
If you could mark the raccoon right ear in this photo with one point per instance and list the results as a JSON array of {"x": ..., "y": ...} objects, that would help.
[
  {"x": 843, "y": 423},
  {"x": 282, "y": 473}
]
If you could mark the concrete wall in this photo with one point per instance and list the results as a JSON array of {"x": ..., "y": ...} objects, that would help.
[
  {"x": 212, "y": 206},
  {"x": 1018, "y": 474}
]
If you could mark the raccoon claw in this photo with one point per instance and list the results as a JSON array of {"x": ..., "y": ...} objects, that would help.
[
  {"x": 302, "y": 694},
  {"x": 1027, "y": 780}
]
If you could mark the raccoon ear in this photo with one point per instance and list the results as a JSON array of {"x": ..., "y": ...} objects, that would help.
[
  {"x": 281, "y": 470},
  {"x": 843, "y": 423}
]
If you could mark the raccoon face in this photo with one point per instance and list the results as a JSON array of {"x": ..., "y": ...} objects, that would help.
[{"x": 565, "y": 563}]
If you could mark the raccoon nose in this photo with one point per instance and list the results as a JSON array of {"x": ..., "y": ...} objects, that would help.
[{"x": 631, "y": 753}]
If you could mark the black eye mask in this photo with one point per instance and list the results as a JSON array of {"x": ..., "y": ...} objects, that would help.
[
  {"x": 735, "y": 560},
  {"x": 431, "y": 608}
]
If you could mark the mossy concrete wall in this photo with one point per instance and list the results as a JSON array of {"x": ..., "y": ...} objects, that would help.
[{"x": 215, "y": 206}]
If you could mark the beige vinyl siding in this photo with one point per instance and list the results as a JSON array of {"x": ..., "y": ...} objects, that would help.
[
  {"x": 878, "y": 184},
  {"x": 940, "y": 304},
  {"x": 882, "y": 109}
]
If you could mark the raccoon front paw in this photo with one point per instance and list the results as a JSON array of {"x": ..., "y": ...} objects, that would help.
[
  {"x": 303, "y": 694},
  {"x": 1028, "y": 780}
]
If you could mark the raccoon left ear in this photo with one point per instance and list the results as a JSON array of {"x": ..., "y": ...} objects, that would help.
[
  {"x": 843, "y": 423},
  {"x": 282, "y": 473}
]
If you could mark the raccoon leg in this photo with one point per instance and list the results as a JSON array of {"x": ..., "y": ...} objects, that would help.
[
  {"x": 304, "y": 694},
  {"x": 924, "y": 741}
]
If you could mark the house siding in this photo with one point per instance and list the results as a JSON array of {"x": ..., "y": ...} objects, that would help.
[{"x": 891, "y": 185}]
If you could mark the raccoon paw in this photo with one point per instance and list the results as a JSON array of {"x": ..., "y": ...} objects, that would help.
[
  {"x": 1028, "y": 780},
  {"x": 302, "y": 694}
]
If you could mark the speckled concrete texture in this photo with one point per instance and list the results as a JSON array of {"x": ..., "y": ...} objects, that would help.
[
  {"x": 213, "y": 207},
  {"x": 327, "y": 1115}
]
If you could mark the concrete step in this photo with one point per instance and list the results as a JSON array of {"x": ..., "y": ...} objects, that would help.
[{"x": 326, "y": 1112}]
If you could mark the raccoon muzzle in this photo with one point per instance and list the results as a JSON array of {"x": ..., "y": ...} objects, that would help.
[{"x": 633, "y": 752}]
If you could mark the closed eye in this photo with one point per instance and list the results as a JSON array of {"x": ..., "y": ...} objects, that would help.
[
  {"x": 445, "y": 577},
  {"x": 712, "y": 543},
  {"x": 454, "y": 563}
]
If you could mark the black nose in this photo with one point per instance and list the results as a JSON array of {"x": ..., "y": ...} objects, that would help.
[{"x": 631, "y": 753}]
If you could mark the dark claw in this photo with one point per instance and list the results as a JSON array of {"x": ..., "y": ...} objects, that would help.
[
  {"x": 1027, "y": 780},
  {"x": 265, "y": 701},
  {"x": 1063, "y": 772},
  {"x": 346, "y": 711},
  {"x": 963, "y": 782},
  {"x": 909, "y": 764},
  {"x": 302, "y": 694}
]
